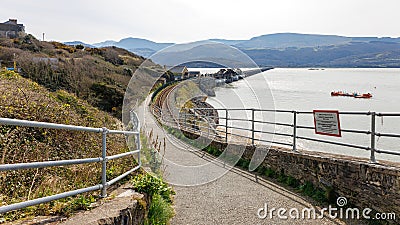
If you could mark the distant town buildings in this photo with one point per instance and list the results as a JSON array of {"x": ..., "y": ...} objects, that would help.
[
  {"x": 11, "y": 29},
  {"x": 180, "y": 72}
]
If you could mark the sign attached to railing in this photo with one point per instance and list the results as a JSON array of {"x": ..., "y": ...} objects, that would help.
[{"x": 326, "y": 122}]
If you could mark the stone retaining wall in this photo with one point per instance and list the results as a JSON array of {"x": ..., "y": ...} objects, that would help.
[
  {"x": 128, "y": 208},
  {"x": 362, "y": 183}
]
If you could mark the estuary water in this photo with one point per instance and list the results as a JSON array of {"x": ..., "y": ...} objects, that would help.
[{"x": 307, "y": 90}]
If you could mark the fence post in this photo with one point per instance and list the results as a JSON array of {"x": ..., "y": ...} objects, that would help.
[
  {"x": 372, "y": 148},
  {"x": 185, "y": 125},
  {"x": 104, "y": 163},
  {"x": 294, "y": 130},
  {"x": 208, "y": 127},
  {"x": 134, "y": 119},
  {"x": 252, "y": 126},
  {"x": 226, "y": 125}
]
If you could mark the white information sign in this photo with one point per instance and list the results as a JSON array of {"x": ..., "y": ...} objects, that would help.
[{"x": 327, "y": 122}]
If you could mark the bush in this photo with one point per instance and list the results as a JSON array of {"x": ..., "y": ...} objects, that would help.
[
  {"x": 307, "y": 188},
  {"x": 153, "y": 186},
  {"x": 269, "y": 172},
  {"x": 80, "y": 47},
  {"x": 291, "y": 181},
  {"x": 160, "y": 211}
]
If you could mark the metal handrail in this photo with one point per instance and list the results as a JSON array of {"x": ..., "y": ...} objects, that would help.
[
  {"x": 103, "y": 159},
  {"x": 35, "y": 165},
  {"x": 295, "y": 127}
]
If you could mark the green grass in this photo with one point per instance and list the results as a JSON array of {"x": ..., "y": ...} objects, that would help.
[
  {"x": 160, "y": 211},
  {"x": 21, "y": 98}
]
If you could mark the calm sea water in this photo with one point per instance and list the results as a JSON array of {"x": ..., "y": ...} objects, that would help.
[{"x": 306, "y": 90}]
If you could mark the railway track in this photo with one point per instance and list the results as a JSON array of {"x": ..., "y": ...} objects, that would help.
[{"x": 191, "y": 121}]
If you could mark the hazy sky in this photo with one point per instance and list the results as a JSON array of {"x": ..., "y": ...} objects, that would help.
[{"x": 186, "y": 20}]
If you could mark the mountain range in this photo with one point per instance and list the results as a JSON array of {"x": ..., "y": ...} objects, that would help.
[{"x": 276, "y": 50}]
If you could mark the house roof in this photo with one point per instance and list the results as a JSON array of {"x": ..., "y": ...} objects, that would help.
[
  {"x": 12, "y": 22},
  {"x": 9, "y": 22},
  {"x": 12, "y": 25},
  {"x": 176, "y": 69}
]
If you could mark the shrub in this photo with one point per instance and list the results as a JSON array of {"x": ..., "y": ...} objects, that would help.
[
  {"x": 80, "y": 47},
  {"x": 269, "y": 172},
  {"x": 146, "y": 183},
  {"x": 291, "y": 181}
]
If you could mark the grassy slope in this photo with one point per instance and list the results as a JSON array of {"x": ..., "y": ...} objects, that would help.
[
  {"x": 21, "y": 98},
  {"x": 98, "y": 75},
  {"x": 54, "y": 70}
]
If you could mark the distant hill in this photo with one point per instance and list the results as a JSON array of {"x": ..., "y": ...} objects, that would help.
[
  {"x": 107, "y": 43},
  {"x": 228, "y": 42},
  {"x": 133, "y": 43},
  {"x": 203, "y": 51},
  {"x": 139, "y": 46},
  {"x": 282, "y": 50},
  {"x": 74, "y": 43},
  {"x": 285, "y": 40},
  {"x": 353, "y": 54},
  {"x": 293, "y": 40},
  {"x": 145, "y": 52}
]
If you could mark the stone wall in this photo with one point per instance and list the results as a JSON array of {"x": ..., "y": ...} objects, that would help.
[
  {"x": 362, "y": 183},
  {"x": 128, "y": 208}
]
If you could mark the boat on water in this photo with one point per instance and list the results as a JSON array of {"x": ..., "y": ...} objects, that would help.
[
  {"x": 352, "y": 94},
  {"x": 368, "y": 95}
]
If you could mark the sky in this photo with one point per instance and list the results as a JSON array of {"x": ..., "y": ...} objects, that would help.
[{"x": 181, "y": 21}]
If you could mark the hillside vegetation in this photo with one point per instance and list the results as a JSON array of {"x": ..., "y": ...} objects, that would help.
[
  {"x": 21, "y": 98},
  {"x": 98, "y": 75}
]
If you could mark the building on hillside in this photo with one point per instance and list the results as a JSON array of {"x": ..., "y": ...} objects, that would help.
[
  {"x": 180, "y": 72},
  {"x": 11, "y": 29}
]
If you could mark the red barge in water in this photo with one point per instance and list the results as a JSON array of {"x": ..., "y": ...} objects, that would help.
[{"x": 354, "y": 94}]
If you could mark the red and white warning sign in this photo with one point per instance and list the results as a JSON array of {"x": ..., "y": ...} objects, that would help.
[{"x": 327, "y": 122}]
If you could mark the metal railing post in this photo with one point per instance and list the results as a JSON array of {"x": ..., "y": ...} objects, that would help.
[
  {"x": 226, "y": 125},
  {"x": 185, "y": 125},
  {"x": 294, "y": 130},
  {"x": 208, "y": 127},
  {"x": 133, "y": 115},
  {"x": 372, "y": 148},
  {"x": 252, "y": 126},
  {"x": 104, "y": 163}
]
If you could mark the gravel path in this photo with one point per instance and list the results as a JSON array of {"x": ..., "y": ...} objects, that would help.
[{"x": 233, "y": 197}]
